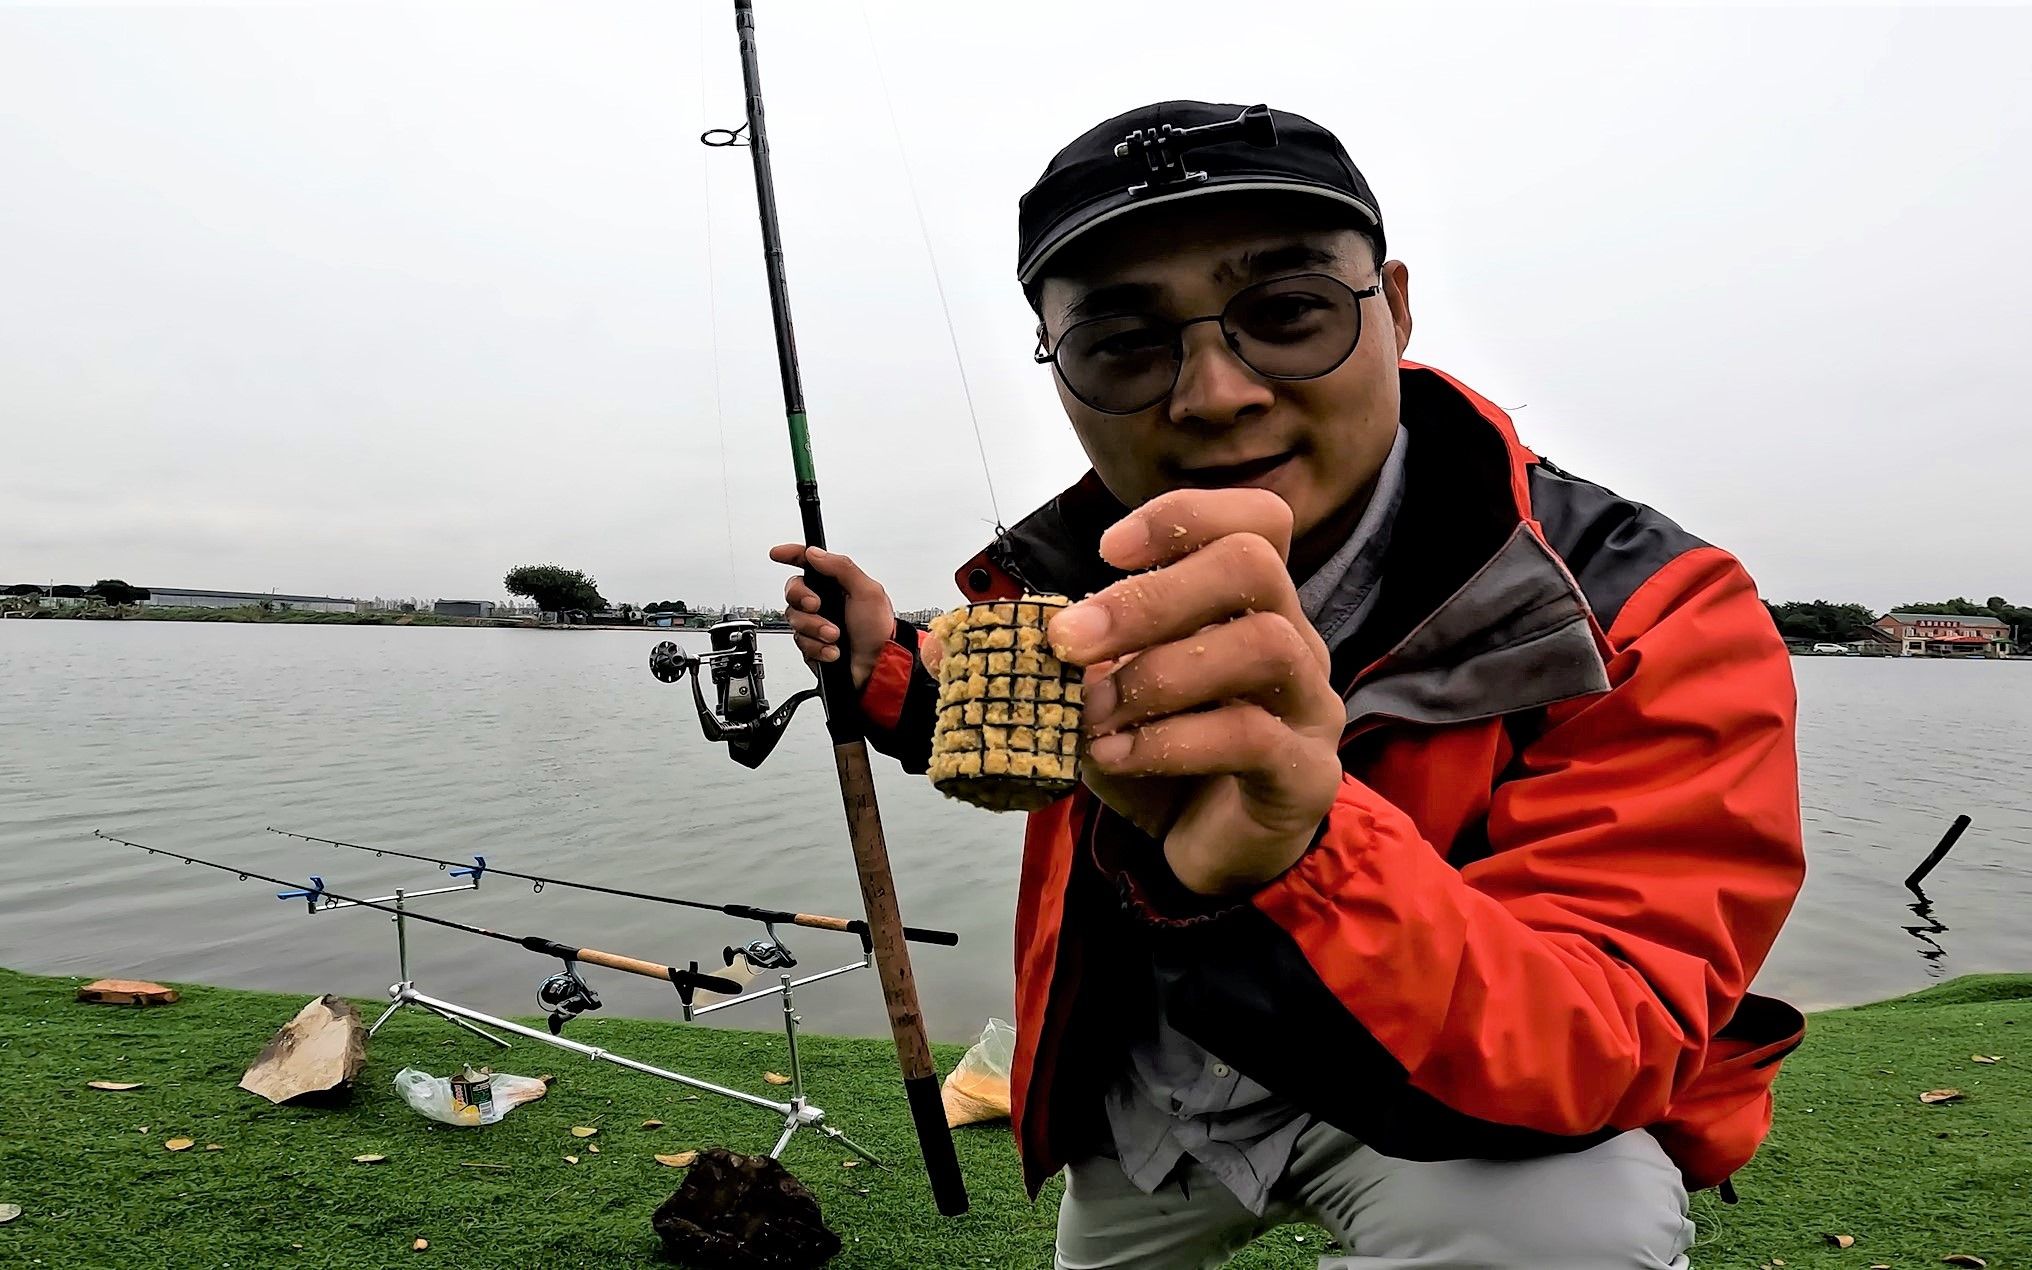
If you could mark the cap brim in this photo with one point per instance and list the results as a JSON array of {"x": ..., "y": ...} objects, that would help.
[{"x": 1123, "y": 204}]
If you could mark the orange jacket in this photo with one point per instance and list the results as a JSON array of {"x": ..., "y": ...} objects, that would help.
[{"x": 1566, "y": 838}]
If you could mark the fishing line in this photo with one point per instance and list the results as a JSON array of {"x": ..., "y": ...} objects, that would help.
[
  {"x": 937, "y": 280},
  {"x": 713, "y": 315}
]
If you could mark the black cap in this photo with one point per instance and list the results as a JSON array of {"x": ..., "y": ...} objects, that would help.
[{"x": 1183, "y": 149}]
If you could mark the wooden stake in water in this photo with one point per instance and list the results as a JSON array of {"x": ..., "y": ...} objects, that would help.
[{"x": 1947, "y": 841}]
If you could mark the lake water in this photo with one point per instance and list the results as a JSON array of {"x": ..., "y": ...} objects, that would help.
[{"x": 555, "y": 752}]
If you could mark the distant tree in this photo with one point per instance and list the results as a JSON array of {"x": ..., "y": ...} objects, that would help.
[
  {"x": 21, "y": 588},
  {"x": 628, "y": 612},
  {"x": 65, "y": 591},
  {"x": 553, "y": 588},
  {"x": 666, "y": 606},
  {"x": 114, "y": 591},
  {"x": 1820, "y": 621},
  {"x": 1959, "y": 606}
]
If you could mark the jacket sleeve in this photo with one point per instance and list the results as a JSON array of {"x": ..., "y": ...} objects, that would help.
[
  {"x": 1643, "y": 856},
  {"x": 899, "y": 703}
]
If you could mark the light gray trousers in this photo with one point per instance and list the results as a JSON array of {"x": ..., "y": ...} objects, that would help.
[{"x": 1617, "y": 1206}]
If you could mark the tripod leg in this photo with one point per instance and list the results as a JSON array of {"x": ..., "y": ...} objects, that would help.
[
  {"x": 789, "y": 1128},
  {"x": 473, "y": 1028},
  {"x": 386, "y": 1015},
  {"x": 850, "y": 1144}
]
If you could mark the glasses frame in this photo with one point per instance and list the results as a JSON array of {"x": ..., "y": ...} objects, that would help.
[{"x": 1049, "y": 356}]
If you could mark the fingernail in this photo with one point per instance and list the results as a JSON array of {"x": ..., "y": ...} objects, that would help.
[
  {"x": 829, "y": 632},
  {"x": 830, "y": 654},
  {"x": 1111, "y": 749},
  {"x": 1101, "y": 697},
  {"x": 1077, "y": 627},
  {"x": 1125, "y": 538}
]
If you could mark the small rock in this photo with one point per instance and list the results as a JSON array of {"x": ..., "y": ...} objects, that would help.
[{"x": 419, "y": 1245}]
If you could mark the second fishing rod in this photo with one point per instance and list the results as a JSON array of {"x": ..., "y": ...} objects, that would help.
[{"x": 479, "y": 868}]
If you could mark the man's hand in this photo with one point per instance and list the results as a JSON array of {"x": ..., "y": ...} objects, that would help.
[
  {"x": 1211, "y": 719},
  {"x": 870, "y": 618}
]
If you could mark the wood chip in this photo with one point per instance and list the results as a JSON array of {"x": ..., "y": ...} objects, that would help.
[
  {"x": 652, "y": 1124},
  {"x": 583, "y": 1131},
  {"x": 679, "y": 1160},
  {"x": 8, "y": 1212},
  {"x": 1841, "y": 1241},
  {"x": 419, "y": 1245},
  {"x": 1987, "y": 1060},
  {"x": 113, "y": 1086},
  {"x": 127, "y": 992},
  {"x": 776, "y": 1078},
  {"x": 850, "y": 1164},
  {"x": 370, "y": 1159},
  {"x": 1933, "y": 1096},
  {"x": 179, "y": 1144},
  {"x": 1963, "y": 1259},
  {"x": 213, "y": 1146},
  {"x": 593, "y": 1148},
  {"x": 571, "y": 1159}
]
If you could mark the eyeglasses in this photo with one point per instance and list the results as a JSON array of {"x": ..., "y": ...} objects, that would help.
[{"x": 1298, "y": 327}]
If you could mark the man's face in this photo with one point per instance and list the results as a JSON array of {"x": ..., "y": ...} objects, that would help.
[{"x": 1317, "y": 443}]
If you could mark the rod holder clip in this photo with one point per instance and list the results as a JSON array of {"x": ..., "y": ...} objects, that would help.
[
  {"x": 310, "y": 895},
  {"x": 476, "y": 872}
]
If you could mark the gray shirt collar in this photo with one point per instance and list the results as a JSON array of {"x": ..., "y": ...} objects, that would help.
[{"x": 1340, "y": 594}]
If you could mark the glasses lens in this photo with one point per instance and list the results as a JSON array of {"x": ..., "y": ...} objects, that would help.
[
  {"x": 1294, "y": 328},
  {"x": 1119, "y": 364}
]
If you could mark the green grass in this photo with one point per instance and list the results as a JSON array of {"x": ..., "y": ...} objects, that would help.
[{"x": 1854, "y": 1151}]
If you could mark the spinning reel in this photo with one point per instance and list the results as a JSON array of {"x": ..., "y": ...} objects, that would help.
[
  {"x": 565, "y": 996},
  {"x": 766, "y": 953},
  {"x": 742, "y": 718}
]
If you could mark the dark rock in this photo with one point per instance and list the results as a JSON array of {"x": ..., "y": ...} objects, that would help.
[{"x": 743, "y": 1212}]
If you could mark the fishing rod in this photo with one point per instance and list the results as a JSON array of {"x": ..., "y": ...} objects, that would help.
[
  {"x": 686, "y": 981},
  {"x": 836, "y": 686},
  {"x": 479, "y": 868}
]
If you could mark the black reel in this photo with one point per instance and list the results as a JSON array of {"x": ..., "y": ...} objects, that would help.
[
  {"x": 565, "y": 996},
  {"x": 766, "y": 953},
  {"x": 740, "y": 716}
]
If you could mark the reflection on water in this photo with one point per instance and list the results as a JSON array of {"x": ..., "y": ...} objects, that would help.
[
  {"x": 555, "y": 753},
  {"x": 1931, "y": 951}
]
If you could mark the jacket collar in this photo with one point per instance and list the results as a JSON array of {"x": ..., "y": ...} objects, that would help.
[{"x": 1477, "y": 616}]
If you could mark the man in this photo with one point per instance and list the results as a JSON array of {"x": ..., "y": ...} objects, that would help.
[{"x": 1438, "y": 806}]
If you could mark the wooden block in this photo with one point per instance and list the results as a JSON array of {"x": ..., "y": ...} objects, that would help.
[{"x": 127, "y": 992}]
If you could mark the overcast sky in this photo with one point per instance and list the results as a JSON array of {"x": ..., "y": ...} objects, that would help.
[{"x": 383, "y": 300}]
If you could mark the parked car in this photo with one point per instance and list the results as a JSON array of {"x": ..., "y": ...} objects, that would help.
[{"x": 1839, "y": 650}]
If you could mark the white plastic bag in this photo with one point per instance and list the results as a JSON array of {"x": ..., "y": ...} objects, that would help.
[
  {"x": 978, "y": 1088},
  {"x": 432, "y": 1096}
]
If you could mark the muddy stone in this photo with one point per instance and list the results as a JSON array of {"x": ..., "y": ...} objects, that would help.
[{"x": 743, "y": 1212}]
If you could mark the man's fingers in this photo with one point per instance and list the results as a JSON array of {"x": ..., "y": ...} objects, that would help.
[
  {"x": 1183, "y": 521},
  {"x": 1234, "y": 575},
  {"x": 788, "y": 553},
  {"x": 813, "y": 627},
  {"x": 1260, "y": 658},
  {"x": 817, "y": 650},
  {"x": 1238, "y": 740},
  {"x": 797, "y": 594},
  {"x": 839, "y": 568}
]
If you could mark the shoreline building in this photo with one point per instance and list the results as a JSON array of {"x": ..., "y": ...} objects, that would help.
[
  {"x": 170, "y": 597},
  {"x": 1945, "y": 635}
]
